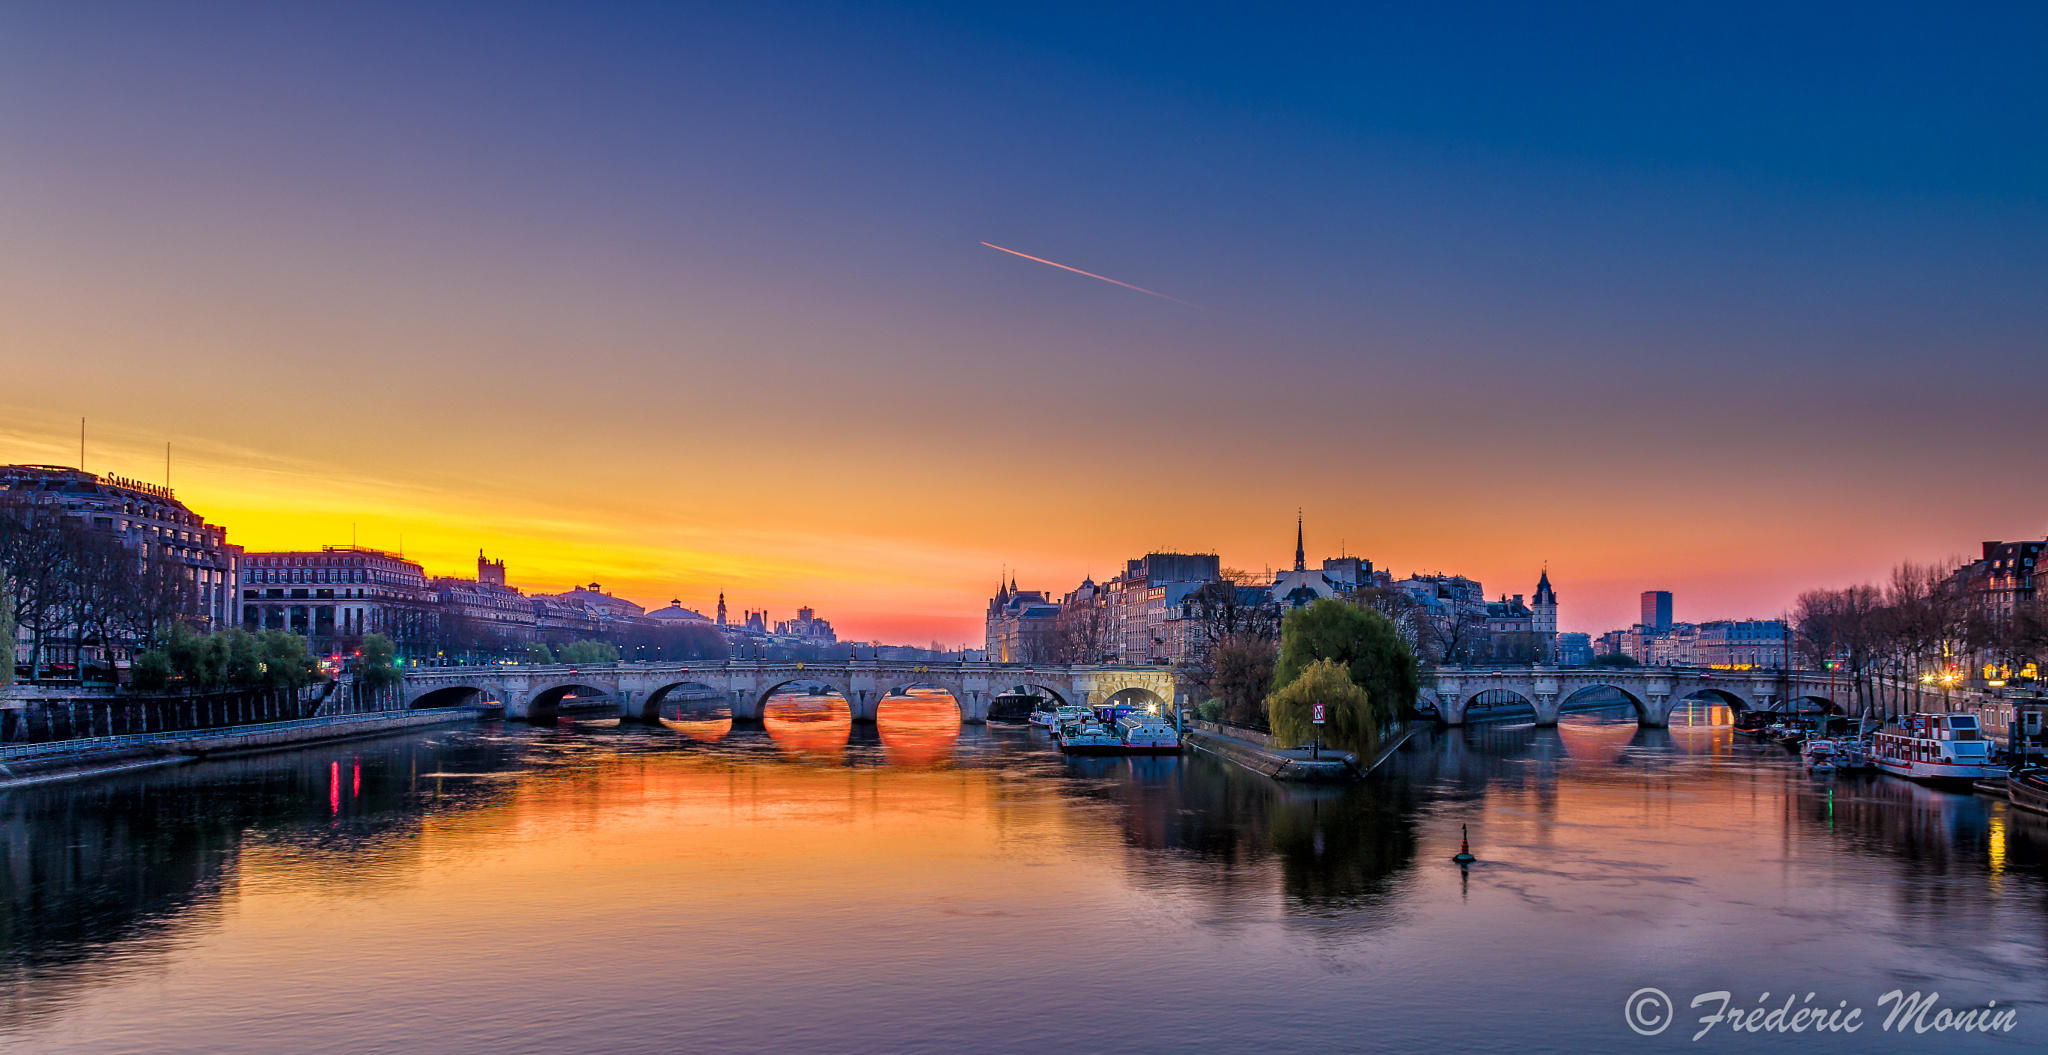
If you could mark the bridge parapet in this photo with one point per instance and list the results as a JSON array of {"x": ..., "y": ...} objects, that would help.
[
  {"x": 639, "y": 688},
  {"x": 1655, "y": 692}
]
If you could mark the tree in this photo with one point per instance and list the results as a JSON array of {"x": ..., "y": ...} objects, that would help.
[
  {"x": 1614, "y": 659},
  {"x": 1235, "y": 605},
  {"x": 6, "y": 639},
  {"x": 589, "y": 652},
  {"x": 1364, "y": 641},
  {"x": 32, "y": 562},
  {"x": 1351, "y": 720},
  {"x": 1446, "y": 630},
  {"x": 537, "y": 652},
  {"x": 1840, "y": 629},
  {"x": 1082, "y": 633},
  {"x": 287, "y": 662},
  {"x": 380, "y": 666},
  {"x": 1239, "y": 675}
]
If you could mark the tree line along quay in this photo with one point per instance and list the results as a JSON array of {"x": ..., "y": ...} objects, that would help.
[{"x": 115, "y": 591}]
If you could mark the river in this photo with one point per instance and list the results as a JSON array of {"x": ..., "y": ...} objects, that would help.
[{"x": 917, "y": 886}]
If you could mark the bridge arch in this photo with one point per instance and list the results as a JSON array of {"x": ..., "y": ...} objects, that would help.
[
  {"x": 839, "y": 687},
  {"x": 1710, "y": 694},
  {"x": 956, "y": 689},
  {"x": 457, "y": 696},
  {"x": 648, "y": 709},
  {"x": 544, "y": 704},
  {"x": 1059, "y": 695},
  {"x": 1811, "y": 701},
  {"x": 1495, "y": 699},
  {"x": 1572, "y": 699}
]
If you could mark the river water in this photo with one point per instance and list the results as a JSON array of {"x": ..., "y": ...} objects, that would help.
[{"x": 916, "y": 886}]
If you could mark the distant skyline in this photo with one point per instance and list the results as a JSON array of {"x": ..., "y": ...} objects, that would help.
[{"x": 1732, "y": 301}]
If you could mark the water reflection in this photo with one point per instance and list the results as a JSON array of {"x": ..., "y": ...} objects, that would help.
[
  {"x": 809, "y": 726},
  {"x": 811, "y": 882}
]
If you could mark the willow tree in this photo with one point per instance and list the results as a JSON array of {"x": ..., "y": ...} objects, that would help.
[
  {"x": 1366, "y": 643},
  {"x": 1350, "y": 721}
]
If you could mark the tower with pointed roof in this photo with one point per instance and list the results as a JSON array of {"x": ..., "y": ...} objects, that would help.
[
  {"x": 1543, "y": 617},
  {"x": 1300, "y": 555}
]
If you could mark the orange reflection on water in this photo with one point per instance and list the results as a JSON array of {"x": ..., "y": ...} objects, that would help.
[
  {"x": 919, "y": 729},
  {"x": 705, "y": 728},
  {"x": 802, "y": 724}
]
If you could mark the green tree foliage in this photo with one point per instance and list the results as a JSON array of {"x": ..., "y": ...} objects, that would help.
[
  {"x": 150, "y": 671},
  {"x": 380, "y": 662},
  {"x": 538, "y": 653},
  {"x": 589, "y": 652},
  {"x": 1351, "y": 721},
  {"x": 1365, "y": 642},
  {"x": 230, "y": 659},
  {"x": 1614, "y": 659}
]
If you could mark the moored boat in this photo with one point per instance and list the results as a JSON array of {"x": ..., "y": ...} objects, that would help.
[
  {"x": 1819, "y": 755},
  {"x": 2028, "y": 788},
  {"x": 1064, "y": 714},
  {"x": 1934, "y": 747},
  {"x": 1089, "y": 737},
  {"x": 1148, "y": 734}
]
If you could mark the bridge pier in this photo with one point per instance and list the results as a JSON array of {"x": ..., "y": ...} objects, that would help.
[
  {"x": 1658, "y": 714},
  {"x": 1546, "y": 708},
  {"x": 864, "y": 703},
  {"x": 973, "y": 709}
]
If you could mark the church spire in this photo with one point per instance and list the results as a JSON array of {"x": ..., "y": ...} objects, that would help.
[{"x": 1300, "y": 558}]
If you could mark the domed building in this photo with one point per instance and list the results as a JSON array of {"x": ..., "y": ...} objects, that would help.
[{"x": 675, "y": 614}]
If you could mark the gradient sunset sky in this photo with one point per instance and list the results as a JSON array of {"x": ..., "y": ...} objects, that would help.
[{"x": 1728, "y": 300}]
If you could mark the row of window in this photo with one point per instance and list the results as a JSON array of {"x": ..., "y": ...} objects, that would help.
[{"x": 261, "y": 574}]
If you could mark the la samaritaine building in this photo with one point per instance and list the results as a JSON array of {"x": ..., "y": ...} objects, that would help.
[{"x": 143, "y": 516}]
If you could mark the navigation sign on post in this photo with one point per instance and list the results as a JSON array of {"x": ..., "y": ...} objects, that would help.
[{"x": 1319, "y": 714}]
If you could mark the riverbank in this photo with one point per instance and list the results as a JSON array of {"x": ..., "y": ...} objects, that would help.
[
  {"x": 1299, "y": 764},
  {"x": 25, "y": 765}
]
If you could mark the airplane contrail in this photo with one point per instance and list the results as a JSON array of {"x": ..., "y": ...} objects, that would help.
[{"x": 1090, "y": 274}]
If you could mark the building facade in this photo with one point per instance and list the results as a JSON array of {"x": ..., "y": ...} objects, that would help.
[
  {"x": 335, "y": 595},
  {"x": 1138, "y": 615},
  {"x": 1022, "y": 626},
  {"x": 145, "y": 518},
  {"x": 1656, "y": 610}
]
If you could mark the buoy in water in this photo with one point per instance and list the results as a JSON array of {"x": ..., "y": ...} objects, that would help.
[{"x": 1464, "y": 855}]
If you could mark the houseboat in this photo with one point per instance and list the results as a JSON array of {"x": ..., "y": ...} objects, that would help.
[
  {"x": 1934, "y": 747},
  {"x": 1819, "y": 754},
  {"x": 1089, "y": 737},
  {"x": 1148, "y": 734},
  {"x": 2028, "y": 788}
]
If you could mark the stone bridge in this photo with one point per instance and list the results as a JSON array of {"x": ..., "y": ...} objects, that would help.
[
  {"x": 639, "y": 689},
  {"x": 1654, "y": 691}
]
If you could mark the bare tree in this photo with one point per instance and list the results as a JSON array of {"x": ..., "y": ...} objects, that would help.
[
  {"x": 1234, "y": 605},
  {"x": 32, "y": 561},
  {"x": 1082, "y": 633}
]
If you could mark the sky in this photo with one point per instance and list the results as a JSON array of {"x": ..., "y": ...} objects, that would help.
[{"x": 1730, "y": 300}]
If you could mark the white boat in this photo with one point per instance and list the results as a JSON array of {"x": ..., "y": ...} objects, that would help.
[
  {"x": 1089, "y": 737},
  {"x": 1944, "y": 747},
  {"x": 1852, "y": 755},
  {"x": 1063, "y": 714},
  {"x": 1146, "y": 734},
  {"x": 1820, "y": 755}
]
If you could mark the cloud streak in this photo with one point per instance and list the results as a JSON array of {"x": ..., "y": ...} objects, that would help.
[{"x": 1090, "y": 274}]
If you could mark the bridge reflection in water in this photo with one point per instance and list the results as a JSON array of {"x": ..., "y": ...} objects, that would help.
[
  {"x": 646, "y": 890},
  {"x": 918, "y": 727}
]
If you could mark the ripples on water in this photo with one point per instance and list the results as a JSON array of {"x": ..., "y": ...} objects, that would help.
[{"x": 913, "y": 885}]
